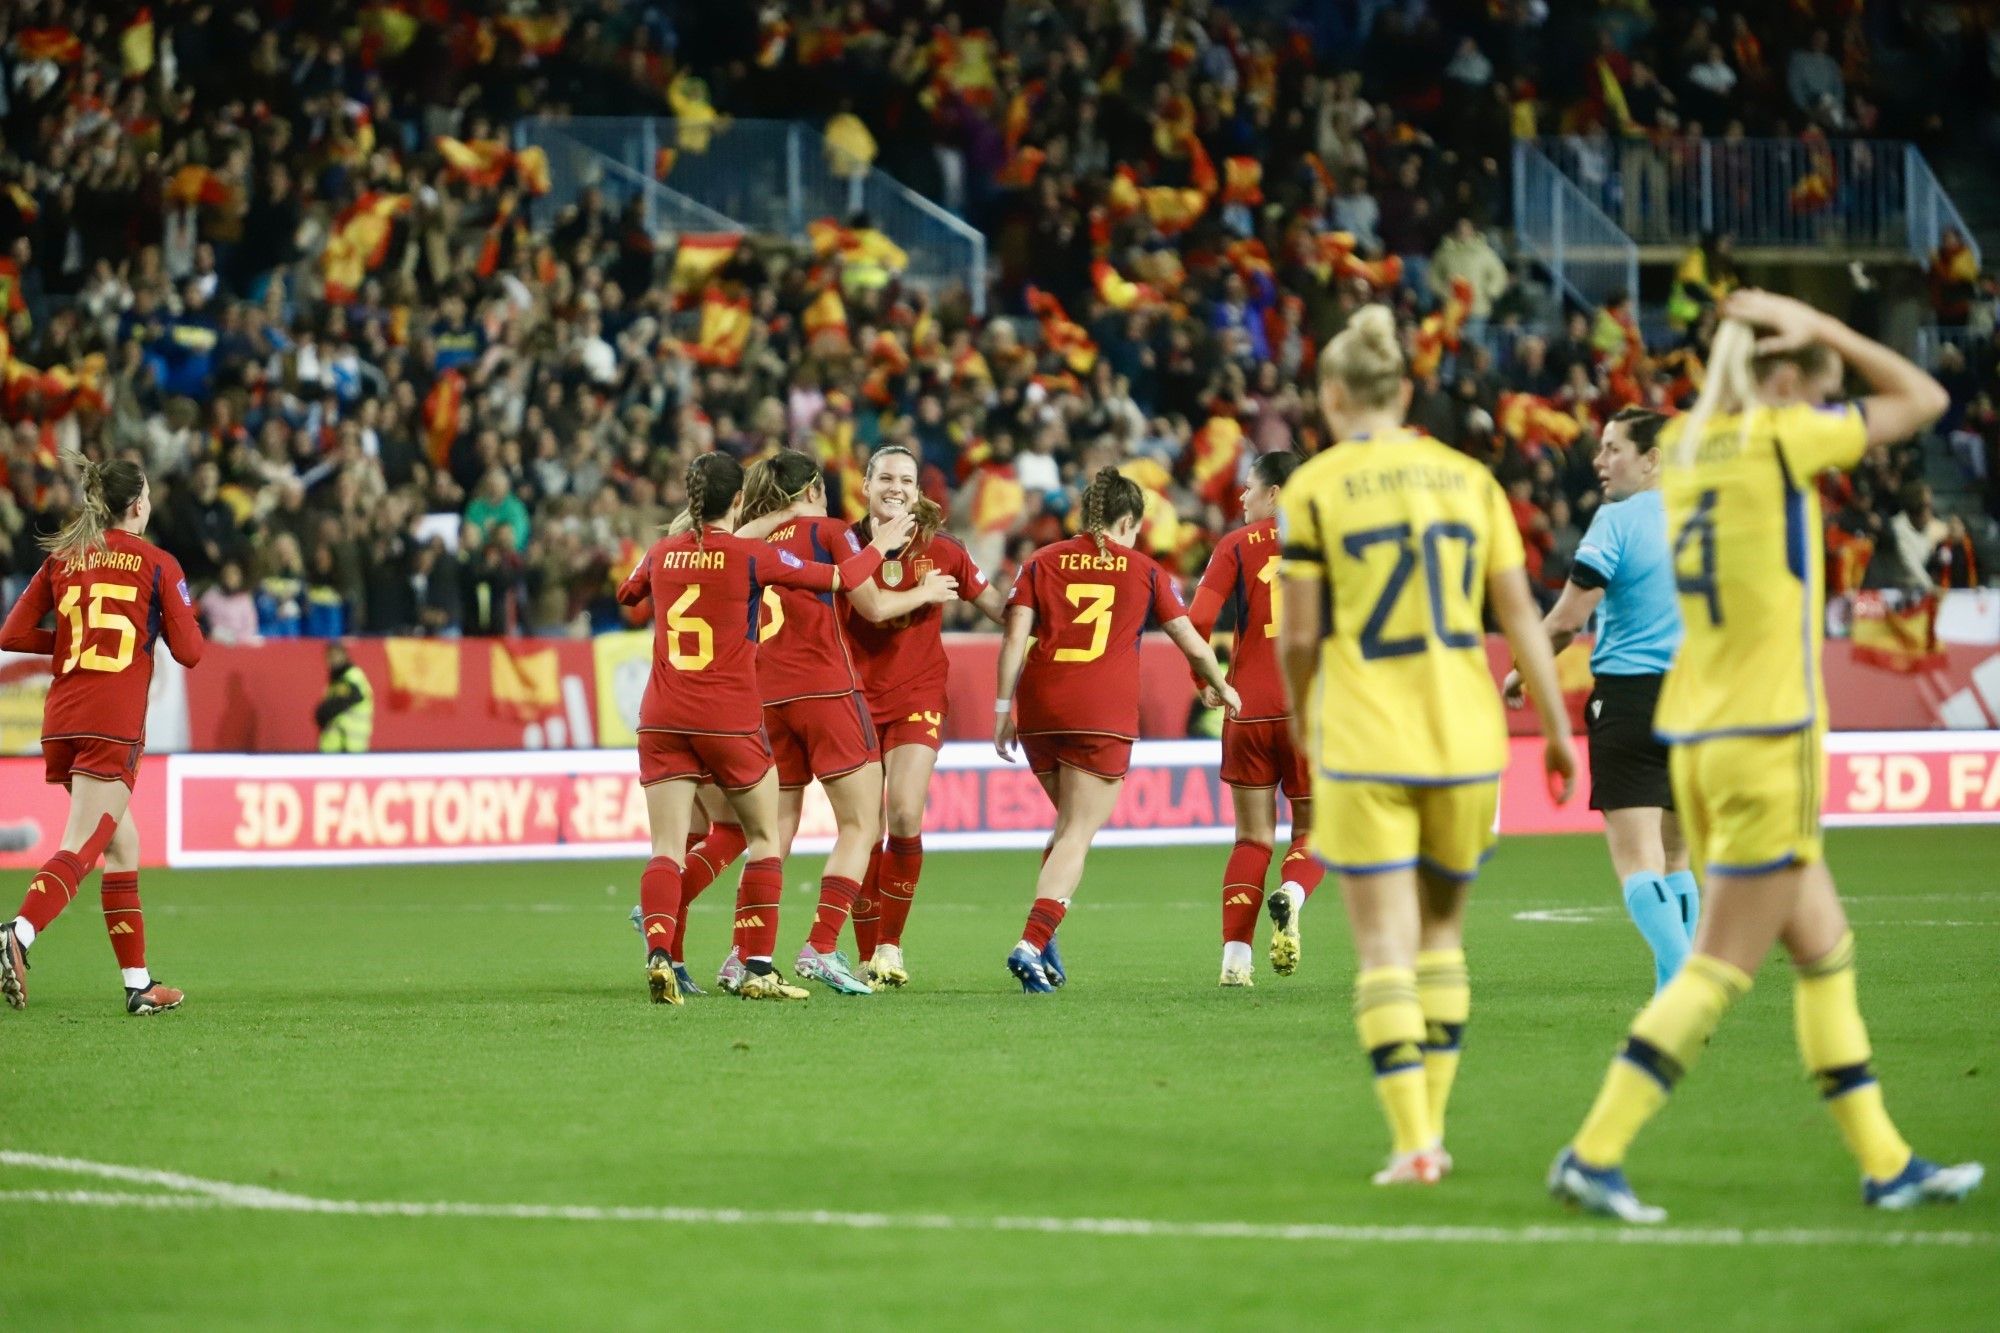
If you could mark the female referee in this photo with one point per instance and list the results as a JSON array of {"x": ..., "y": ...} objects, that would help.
[
  {"x": 1744, "y": 709},
  {"x": 1392, "y": 545},
  {"x": 1624, "y": 573}
]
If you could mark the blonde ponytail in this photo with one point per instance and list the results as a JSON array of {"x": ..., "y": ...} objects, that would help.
[{"x": 1728, "y": 387}]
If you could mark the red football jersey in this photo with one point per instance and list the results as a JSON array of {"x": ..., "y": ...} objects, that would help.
[
  {"x": 1082, "y": 674},
  {"x": 706, "y": 599},
  {"x": 1242, "y": 573},
  {"x": 111, "y": 606},
  {"x": 802, "y": 650},
  {"x": 902, "y": 660}
]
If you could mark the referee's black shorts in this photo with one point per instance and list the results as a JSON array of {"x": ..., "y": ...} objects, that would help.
[{"x": 1628, "y": 764}]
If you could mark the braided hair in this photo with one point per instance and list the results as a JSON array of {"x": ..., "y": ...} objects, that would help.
[
  {"x": 109, "y": 489},
  {"x": 713, "y": 481},
  {"x": 1110, "y": 498}
]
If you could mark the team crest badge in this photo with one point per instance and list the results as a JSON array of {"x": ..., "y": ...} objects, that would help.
[
  {"x": 923, "y": 569},
  {"x": 892, "y": 571}
]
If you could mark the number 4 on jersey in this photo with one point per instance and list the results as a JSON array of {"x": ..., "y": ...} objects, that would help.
[{"x": 1699, "y": 532}]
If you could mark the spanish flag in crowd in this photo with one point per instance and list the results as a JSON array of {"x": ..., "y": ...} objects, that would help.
[
  {"x": 136, "y": 45},
  {"x": 998, "y": 501},
  {"x": 441, "y": 417},
  {"x": 725, "y": 330},
  {"x": 1061, "y": 334},
  {"x": 663, "y": 162},
  {"x": 1439, "y": 331},
  {"x": 526, "y": 682},
  {"x": 1161, "y": 531},
  {"x": 1021, "y": 169},
  {"x": 194, "y": 184},
  {"x": 826, "y": 318},
  {"x": 52, "y": 43},
  {"x": 699, "y": 257},
  {"x": 538, "y": 34},
  {"x": 1120, "y": 292},
  {"x": 485, "y": 163},
  {"x": 1020, "y": 113},
  {"x": 1533, "y": 421},
  {"x": 1813, "y": 191},
  {"x": 360, "y": 242},
  {"x": 422, "y": 672},
  {"x": 1899, "y": 636},
  {"x": 1215, "y": 456},
  {"x": 1242, "y": 181}
]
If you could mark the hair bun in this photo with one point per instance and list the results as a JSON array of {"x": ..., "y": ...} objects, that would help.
[{"x": 1376, "y": 324}]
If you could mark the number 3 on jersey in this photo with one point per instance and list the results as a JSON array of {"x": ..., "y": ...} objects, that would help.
[
  {"x": 681, "y": 624},
  {"x": 1096, "y": 600},
  {"x": 99, "y": 617}
]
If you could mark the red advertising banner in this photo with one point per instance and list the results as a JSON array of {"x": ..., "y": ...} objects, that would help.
[
  {"x": 32, "y": 813},
  {"x": 278, "y": 810},
  {"x": 430, "y": 694}
]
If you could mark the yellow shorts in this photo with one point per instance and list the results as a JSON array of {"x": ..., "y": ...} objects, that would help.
[
  {"x": 1750, "y": 804},
  {"x": 1362, "y": 827}
]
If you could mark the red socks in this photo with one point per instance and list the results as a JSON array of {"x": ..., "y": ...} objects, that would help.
[
  {"x": 123, "y": 920},
  {"x": 1043, "y": 918},
  {"x": 659, "y": 902},
  {"x": 705, "y": 864},
  {"x": 1301, "y": 867},
  {"x": 52, "y": 888},
  {"x": 902, "y": 864},
  {"x": 868, "y": 908},
  {"x": 1243, "y": 891},
  {"x": 756, "y": 934},
  {"x": 836, "y": 899}
]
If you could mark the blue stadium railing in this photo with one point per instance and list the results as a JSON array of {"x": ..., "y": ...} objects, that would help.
[
  {"x": 1588, "y": 256},
  {"x": 1781, "y": 193},
  {"x": 756, "y": 175}
]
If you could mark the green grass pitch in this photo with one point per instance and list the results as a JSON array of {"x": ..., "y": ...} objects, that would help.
[{"x": 480, "y": 1035}]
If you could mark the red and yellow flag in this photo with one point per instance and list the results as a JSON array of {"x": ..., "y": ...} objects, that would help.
[
  {"x": 1062, "y": 335},
  {"x": 422, "y": 672},
  {"x": 699, "y": 258},
  {"x": 997, "y": 502},
  {"x": 441, "y": 406},
  {"x": 1242, "y": 181},
  {"x": 360, "y": 242},
  {"x": 526, "y": 680},
  {"x": 53, "y": 43},
  {"x": 1900, "y": 637},
  {"x": 1214, "y": 455},
  {"x": 136, "y": 46},
  {"x": 725, "y": 330}
]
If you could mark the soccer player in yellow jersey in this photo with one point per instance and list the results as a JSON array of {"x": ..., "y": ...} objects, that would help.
[
  {"x": 1745, "y": 710},
  {"x": 1392, "y": 544}
]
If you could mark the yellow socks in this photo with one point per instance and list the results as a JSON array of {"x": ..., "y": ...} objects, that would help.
[
  {"x": 1666, "y": 1037},
  {"x": 1391, "y": 1024},
  {"x": 1445, "y": 993},
  {"x": 1834, "y": 1042}
]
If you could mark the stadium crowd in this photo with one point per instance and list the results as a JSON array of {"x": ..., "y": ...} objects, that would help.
[{"x": 286, "y": 255}]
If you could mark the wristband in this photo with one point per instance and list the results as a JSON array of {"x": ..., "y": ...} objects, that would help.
[{"x": 1002, "y": 707}]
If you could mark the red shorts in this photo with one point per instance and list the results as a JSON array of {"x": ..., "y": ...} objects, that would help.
[
  {"x": 913, "y": 726},
  {"x": 820, "y": 738},
  {"x": 1090, "y": 751},
  {"x": 94, "y": 757},
  {"x": 730, "y": 762},
  {"x": 1260, "y": 754}
]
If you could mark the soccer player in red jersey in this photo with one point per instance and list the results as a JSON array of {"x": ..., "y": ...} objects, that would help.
[
  {"x": 814, "y": 711},
  {"x": 114, "y": 595},
  {"x": 1257, "y": 753},
  {"x": 1086, "y": 602},
  {"x": 904, "y": 672},
  {"x": 701, "y": 718}
]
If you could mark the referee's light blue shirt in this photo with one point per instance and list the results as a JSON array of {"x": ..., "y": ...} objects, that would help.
[{"x": 1626, "y": 554}]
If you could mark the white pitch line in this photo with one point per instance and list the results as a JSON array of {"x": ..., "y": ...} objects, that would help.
[{"x": 215, "y": 1194}]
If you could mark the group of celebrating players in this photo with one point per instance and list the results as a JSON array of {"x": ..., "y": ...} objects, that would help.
[{"x": 791, "y": 647}]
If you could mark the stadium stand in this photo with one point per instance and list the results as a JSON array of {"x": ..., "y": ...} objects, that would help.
[{"x": 399, "y": 363}]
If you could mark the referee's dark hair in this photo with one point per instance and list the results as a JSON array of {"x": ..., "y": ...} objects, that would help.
[{"x": 1642, "y": 427}]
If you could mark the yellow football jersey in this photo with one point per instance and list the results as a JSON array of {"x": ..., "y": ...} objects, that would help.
[
  {"x": 1749, "y": 564},
  {"x": 1401, "y": 531}
]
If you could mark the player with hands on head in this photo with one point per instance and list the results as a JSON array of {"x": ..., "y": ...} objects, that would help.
[{"x": 1744, "y": 710}]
